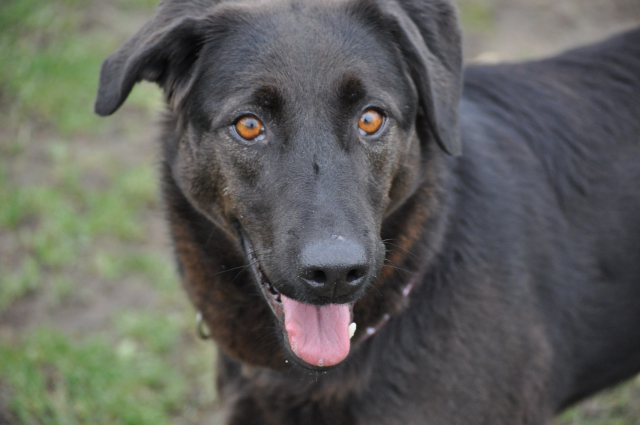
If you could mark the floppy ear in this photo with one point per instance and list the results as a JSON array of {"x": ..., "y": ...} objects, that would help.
[
  {"x": 164, "y": 51},
  {"x": 429, "y": 37}
]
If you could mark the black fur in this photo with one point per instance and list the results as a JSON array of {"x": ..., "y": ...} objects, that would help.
[{"x": 502, "y": 284}]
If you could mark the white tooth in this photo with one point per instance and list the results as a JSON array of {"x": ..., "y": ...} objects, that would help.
[{"x": 352, "y": 329}]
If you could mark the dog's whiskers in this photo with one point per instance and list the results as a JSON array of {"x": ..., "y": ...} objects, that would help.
[
  {"x": 396, "y": 267},
  {"x": 370, "y": 285},
  {"x": 398, "y": 246},
  {"x": 236, "y": 268},
  {"x": 251, "y": 263},
  {"x": 274, "y": 339}
]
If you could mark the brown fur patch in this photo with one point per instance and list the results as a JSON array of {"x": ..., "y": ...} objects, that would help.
[{"x": 233, "y": 309}]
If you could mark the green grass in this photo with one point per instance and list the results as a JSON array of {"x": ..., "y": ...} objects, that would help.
[
  {"x": 57, "y": 219},
  {"x": 65, "y": 382},
  {"x": 19, "y": 282},
  {"x": 74, "y": 227},
  {"x": 66, "y": 227},
  {"x": 53, "y": 72},
  {"x": 154, "y": 331},
  {"x": 114, "y": 266},
  {"x": 617, "y": 406}
]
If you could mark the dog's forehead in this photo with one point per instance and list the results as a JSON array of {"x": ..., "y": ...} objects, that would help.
[{"x": 303, "y": 47}]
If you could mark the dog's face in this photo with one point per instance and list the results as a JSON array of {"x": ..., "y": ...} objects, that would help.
[{"x": 298, "y": 136}]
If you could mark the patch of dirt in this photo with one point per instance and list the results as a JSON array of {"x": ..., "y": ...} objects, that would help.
[
  {"x": 94, "y": 304},
  {"x": 6, "y": 418}
]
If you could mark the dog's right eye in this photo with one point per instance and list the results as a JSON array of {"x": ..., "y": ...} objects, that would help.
[{"x": 249, "y": 128}]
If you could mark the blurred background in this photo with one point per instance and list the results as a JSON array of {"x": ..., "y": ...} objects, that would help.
[{"x": 94, "y": 327}]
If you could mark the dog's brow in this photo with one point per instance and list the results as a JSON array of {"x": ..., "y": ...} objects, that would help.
[
  {"x": 351, "y": 90},
  {"x": 268, "y": 97}
]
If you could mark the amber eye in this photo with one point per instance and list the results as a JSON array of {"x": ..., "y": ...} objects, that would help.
[
  {"x": 370, "y": 122},
  {"x": 249, "y": 127}
]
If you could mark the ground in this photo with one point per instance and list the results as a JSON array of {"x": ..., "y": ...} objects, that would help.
[{"x": 94, "y": 328}]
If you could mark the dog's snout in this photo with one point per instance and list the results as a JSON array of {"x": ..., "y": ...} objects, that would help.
[{"x": 334, "y": 268}]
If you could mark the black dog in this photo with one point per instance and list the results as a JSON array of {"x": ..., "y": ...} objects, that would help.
[{"x": 481, "y": 240}]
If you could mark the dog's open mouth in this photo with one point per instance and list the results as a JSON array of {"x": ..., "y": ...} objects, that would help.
[{"x": 317, "y": 336}]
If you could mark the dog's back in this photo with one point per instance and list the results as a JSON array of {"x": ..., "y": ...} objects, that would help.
[{"x": 574, "y": 119}]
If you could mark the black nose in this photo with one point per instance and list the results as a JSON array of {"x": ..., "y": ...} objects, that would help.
[{"x": 333, "y": 268}]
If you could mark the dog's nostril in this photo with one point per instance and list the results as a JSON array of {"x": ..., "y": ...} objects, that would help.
[
  {"x": 354, "y": 275},
  {"x": 319, "y": 277}
]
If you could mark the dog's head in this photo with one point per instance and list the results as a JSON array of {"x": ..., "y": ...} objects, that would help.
[{"x": 302, "y": 125}]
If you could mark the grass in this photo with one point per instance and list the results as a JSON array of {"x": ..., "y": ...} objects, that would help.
[
  {"x": 53, "y": 72},
  {"x": 75, "y": 236},
  {"x": 617, "y": 406},
  {"x": 94, "y": 328},
  {"x": 89, "y": 382},
  {"x": 57, "y": 219},
  {"x": 17, "y": 283}
]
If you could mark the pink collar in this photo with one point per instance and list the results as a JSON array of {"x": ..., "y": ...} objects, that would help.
[{"x": 371, "y": 330}]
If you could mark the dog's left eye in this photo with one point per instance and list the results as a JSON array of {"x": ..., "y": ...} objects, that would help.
[
  {"x": 370, "y": 122},
  {"x": 249, "y": 128}
]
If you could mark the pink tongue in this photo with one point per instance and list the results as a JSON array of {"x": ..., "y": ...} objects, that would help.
[{"x": 318, "y": 335}]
